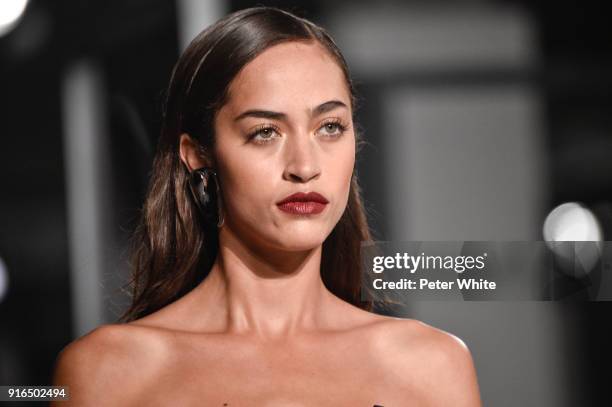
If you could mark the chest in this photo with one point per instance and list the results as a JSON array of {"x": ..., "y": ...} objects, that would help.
[{"x": 337, "y": 374}]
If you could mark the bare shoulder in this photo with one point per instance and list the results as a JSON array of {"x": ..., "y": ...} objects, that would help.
[
  {"x": 105, "y": 367},
  {"x": 437, "y": 363}
]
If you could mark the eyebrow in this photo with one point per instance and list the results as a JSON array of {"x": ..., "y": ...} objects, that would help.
[{"x": 268, "y": 114}]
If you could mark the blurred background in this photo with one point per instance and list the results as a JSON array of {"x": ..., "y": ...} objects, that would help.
[{"x": 484, "y": 120}]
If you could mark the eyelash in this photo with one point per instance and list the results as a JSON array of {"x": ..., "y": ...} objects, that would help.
[{"x": 340, "y": 126}]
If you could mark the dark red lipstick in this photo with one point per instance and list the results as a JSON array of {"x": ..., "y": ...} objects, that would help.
[{"x": 302, "y": 203}]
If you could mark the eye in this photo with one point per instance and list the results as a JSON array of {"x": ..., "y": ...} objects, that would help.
[
  {"x": 266, "y": 133},
  {"x": 333, "y": 128},
  {"x": 263, "y": 134}
]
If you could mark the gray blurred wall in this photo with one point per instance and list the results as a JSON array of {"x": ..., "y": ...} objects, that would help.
[{"x": 462, "y": 145}]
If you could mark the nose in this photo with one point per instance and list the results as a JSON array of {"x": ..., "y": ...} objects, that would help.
[{"x": 302, "y": 163}]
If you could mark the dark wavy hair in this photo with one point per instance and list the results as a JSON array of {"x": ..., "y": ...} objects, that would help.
[{"x": 172, "y": 251}]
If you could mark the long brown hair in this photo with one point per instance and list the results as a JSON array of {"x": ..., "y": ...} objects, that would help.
[{"x": 172, "y": 249}]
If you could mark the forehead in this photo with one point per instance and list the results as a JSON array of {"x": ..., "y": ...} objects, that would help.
[{"x": 289, "y": 75}]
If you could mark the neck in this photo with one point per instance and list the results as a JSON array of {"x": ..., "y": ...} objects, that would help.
[{"x": 270, "y": 294}]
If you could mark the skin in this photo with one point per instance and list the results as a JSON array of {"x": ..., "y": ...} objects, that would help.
[{"x": 262, "y": 329}]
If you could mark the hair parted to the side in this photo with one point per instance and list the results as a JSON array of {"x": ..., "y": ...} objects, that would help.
[{"x": 172, "y": 248}]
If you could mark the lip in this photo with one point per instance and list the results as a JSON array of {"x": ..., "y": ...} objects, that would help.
[
  {"x": 304, "y": 197},
  {"x": 302, "y": 203}
]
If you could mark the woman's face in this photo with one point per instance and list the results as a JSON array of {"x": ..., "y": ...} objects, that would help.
[{"x": 287, "y": 128}]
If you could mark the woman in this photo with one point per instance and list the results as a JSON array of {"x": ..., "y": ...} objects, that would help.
[{"x": 246, "y": 284}]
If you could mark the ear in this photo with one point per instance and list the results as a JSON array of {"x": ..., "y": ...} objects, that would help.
[{"x": 190, "y": 152}]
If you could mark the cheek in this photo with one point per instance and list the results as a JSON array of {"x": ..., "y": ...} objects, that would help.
[
  {"x": 339, "y": 170},
  {"x": 247, "y": 183},
  {"x": 344, "y": 165}
]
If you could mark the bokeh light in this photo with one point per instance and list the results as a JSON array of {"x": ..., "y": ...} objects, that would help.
[
  {"x": 573, "y": 222},
  {"x": 4, "y": 280},
  {"x": 10, "y": 13}
]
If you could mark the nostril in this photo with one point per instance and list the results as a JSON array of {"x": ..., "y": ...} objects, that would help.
[
  {"x": 303, "y": 174},
  {"x": 303, "y": 178}
]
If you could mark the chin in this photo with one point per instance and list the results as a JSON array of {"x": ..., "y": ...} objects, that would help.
[
  {"x": 301, "y": 245},
  {"x": 300, "y": 240}
]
